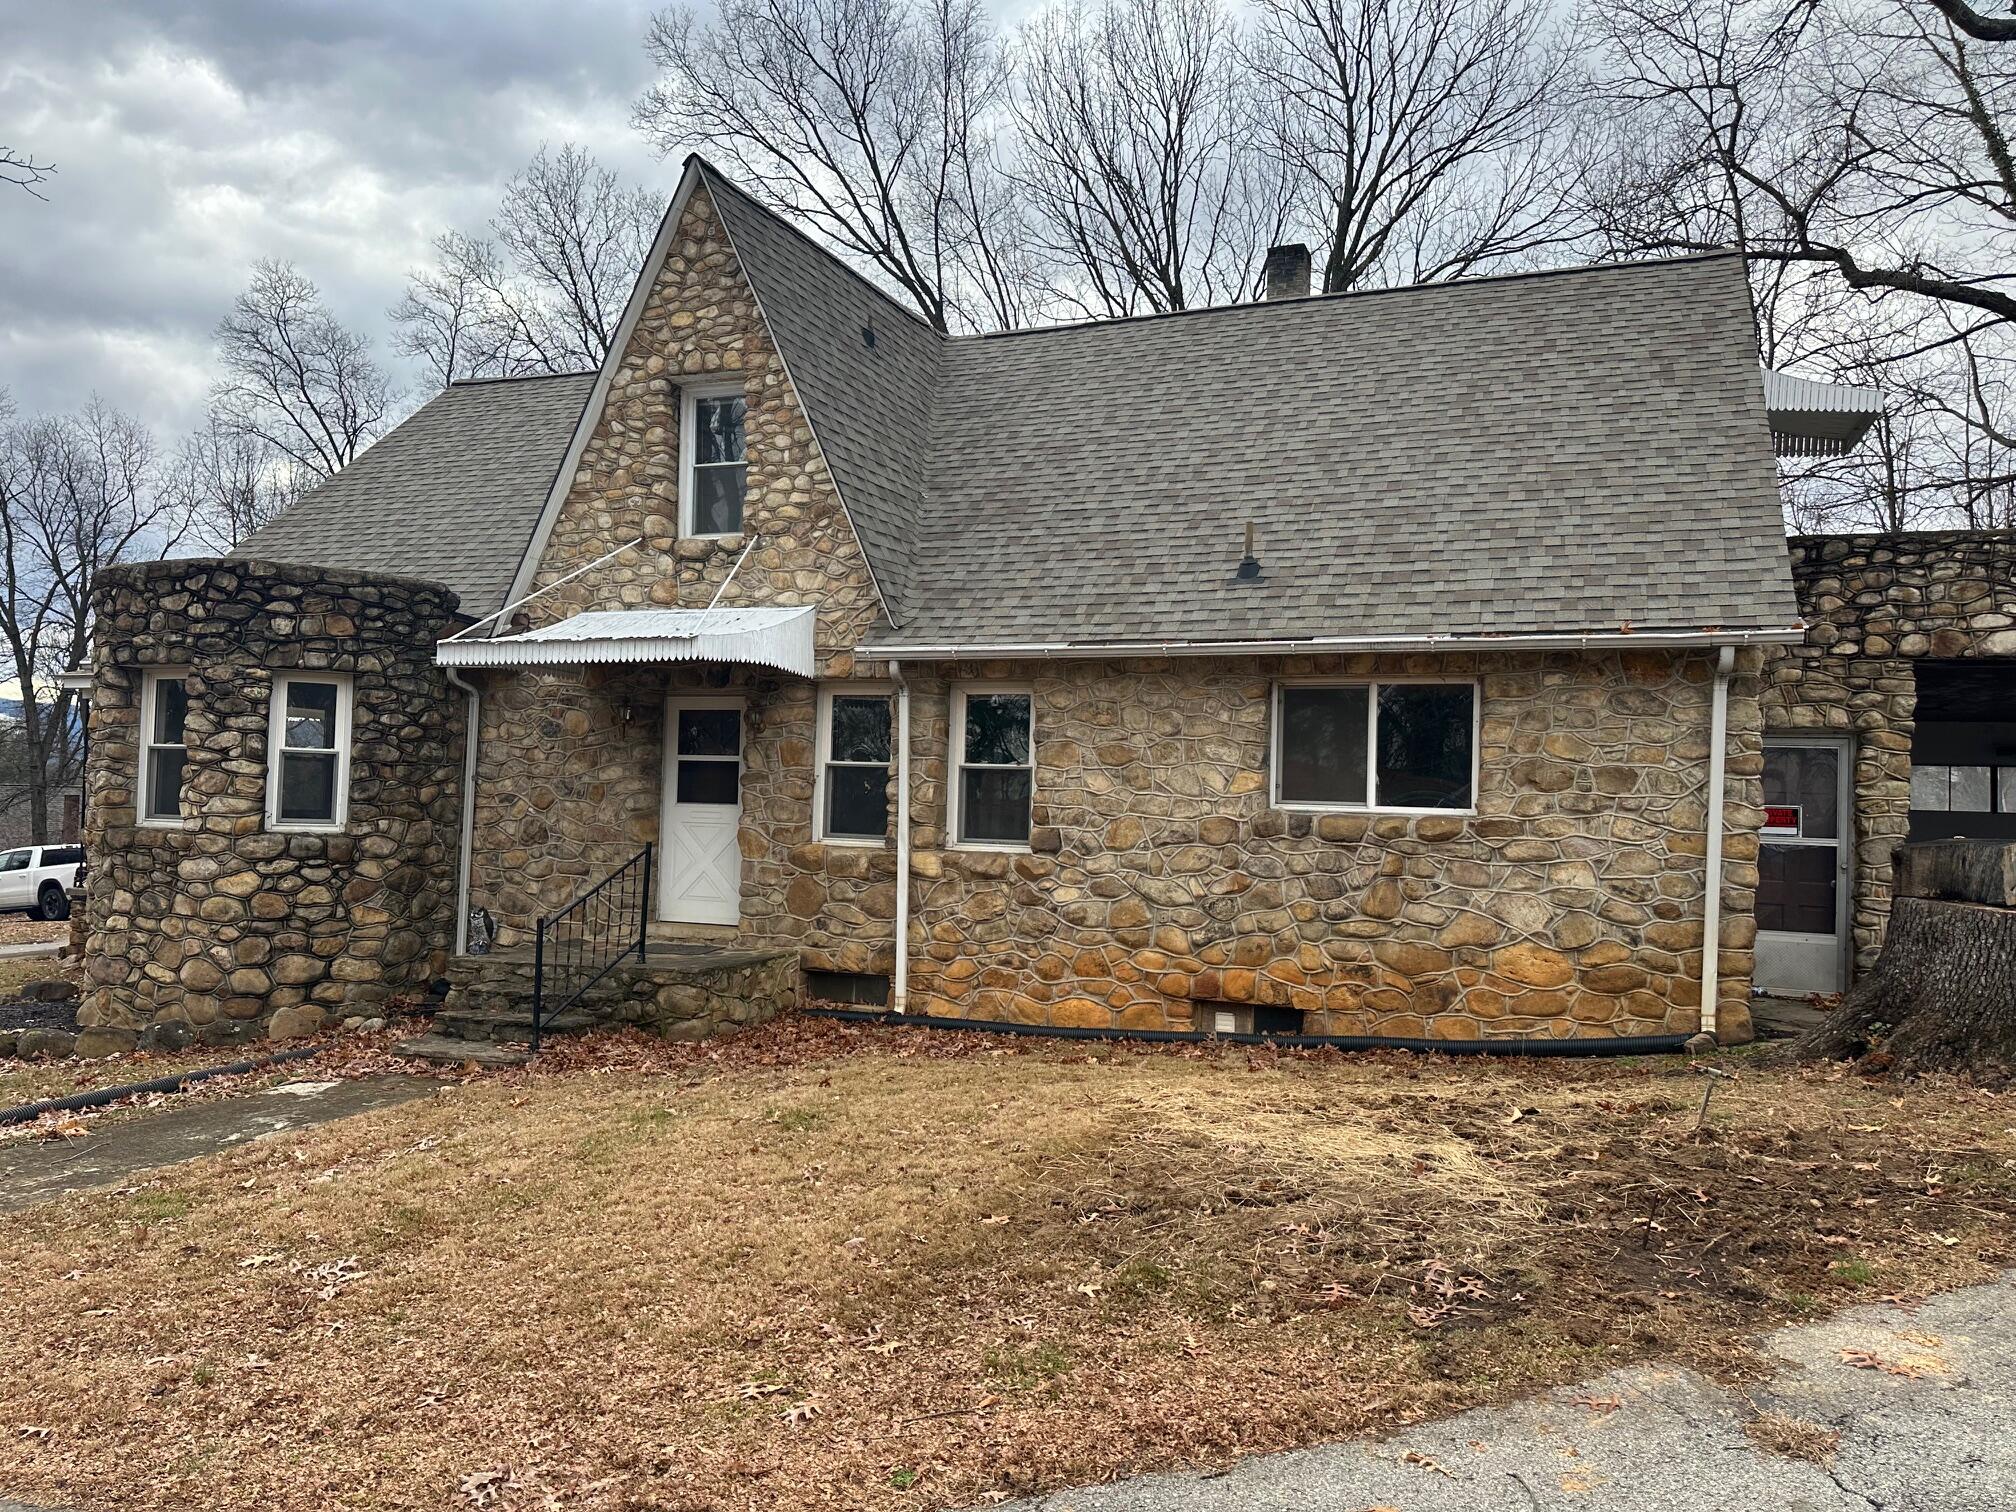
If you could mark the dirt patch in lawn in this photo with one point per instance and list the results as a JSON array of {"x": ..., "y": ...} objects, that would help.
[{"x": 825, "y": 1267}]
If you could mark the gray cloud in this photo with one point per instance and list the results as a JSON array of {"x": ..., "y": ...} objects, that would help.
[{"x": 344, "y": 135}]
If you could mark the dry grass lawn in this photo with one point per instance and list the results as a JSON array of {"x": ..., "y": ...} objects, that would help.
[{"x": 834, "y": 1268}]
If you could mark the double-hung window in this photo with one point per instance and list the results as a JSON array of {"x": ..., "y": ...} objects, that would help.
[
  {"x": 308, "y": 751},
  {"x": 994, "y": 766},
  {"x": 855, "y": 746},
  {"x": 164, "y": 751},
  {"x": 1375, "y": 745},
  {"x": 717, "y": 464}
]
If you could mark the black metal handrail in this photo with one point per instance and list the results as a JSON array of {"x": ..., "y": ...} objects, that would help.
[{"x": 579, "y": 945}]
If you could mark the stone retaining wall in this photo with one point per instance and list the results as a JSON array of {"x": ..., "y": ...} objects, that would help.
[
  {"x": 1876, "y": 604},
  {"x": 218, "y": 921}
]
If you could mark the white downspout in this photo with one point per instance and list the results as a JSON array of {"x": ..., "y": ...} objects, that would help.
[
  {"x": 1711, "y": 920},
  {"x": 899, "y": 992},
  {"x": 470, "y": 735}
]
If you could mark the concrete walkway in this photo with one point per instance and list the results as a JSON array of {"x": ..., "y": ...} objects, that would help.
[
  {"x": 22, "y": 953},
  {"x": 1927, "y": 1423},
  {"x": 34, "y": 1171}
]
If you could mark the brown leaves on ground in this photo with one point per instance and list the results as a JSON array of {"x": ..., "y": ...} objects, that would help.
[
  {"x": 1793, "y": 1437},
  {"x": 824, "y": 1266}
]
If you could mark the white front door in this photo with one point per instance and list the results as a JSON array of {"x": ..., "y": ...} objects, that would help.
[
  {"x": 700, "y": 872},
  {"x": 1803, "y": 865}
]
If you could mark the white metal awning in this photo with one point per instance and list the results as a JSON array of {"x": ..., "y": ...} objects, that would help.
[
  {"x": 1814, "y": 419},
  {"x": 780, "y": 638}
]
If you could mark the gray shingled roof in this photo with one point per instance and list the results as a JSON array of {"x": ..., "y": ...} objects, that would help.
[
  {"x": 870, "y": 407},
  {"x": 452, "y": 494},
  {"x": 1549, "y": 453},
  {"x": 1557, "y": 452}
]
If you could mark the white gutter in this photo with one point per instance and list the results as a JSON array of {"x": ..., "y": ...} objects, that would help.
[
  {"x": 472, "y": 732},
  {"x": 1711, "y": 920},
  {"x": 1650, "y": 640},
  {"x": 899, "y": 993}
]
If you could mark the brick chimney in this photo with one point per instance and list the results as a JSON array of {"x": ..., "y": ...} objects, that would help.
[{"x": 1288, "y": 271}]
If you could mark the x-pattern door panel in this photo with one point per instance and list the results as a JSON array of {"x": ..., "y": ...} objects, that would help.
[{"x": 701, "y": 880}]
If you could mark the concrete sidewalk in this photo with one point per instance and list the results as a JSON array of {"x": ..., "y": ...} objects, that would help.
[
  {"x": 1927, "y": 1423},
  {"x": 34, "y": 1171}
]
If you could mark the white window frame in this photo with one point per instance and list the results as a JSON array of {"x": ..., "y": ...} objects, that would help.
[
  {"x": 689, "y": 454},
  {"x": 956, "y": 788},
  {"x": 822, "y": 755},
  {"x": 149, "y": 680},
  {"x": 1372, "y": 685},
  {"x": 276, "y": 714}
]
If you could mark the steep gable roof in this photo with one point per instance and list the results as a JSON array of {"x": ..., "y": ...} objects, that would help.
[
  {"x": 869, "y": 405},
  {"x": 452, "y": 494}
]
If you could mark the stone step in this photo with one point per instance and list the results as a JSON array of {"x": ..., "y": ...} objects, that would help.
[
  {"x": 508, "y": 1025},
  {"x": 443, "y": 1051}
]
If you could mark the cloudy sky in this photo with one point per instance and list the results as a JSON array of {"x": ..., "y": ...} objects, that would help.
[{"x": 192, "y": 138}]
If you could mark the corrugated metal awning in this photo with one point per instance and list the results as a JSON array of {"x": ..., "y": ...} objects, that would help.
[
  {"x": 780, "y": 638},
  {"x": 1814, "y": 419}
]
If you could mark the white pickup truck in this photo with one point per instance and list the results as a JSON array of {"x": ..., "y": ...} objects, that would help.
[{"x": 38, "y": 879}]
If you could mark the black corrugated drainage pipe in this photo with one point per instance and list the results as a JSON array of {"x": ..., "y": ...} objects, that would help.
[
  {"x": 1642, "y": 1044},
  {"x": 98, "y": 1097}
]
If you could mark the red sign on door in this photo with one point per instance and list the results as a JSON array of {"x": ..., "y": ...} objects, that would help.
[{"x": 1781, "y": 819}]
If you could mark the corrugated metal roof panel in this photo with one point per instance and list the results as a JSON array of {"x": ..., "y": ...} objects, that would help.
[{"x": 780, "y": 638}]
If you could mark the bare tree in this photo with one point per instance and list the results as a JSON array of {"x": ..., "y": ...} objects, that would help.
[
  {"x": 1970, "y": 21},
  {"x": 22, "y": 171},
  {"x": 227, "y": 483},
  {"x": 1433, "y": 130},
  {"x": 78, "y": 493},
  {"x": 544, "y": 292},
  {"x": 1138, "y": 155},
  {"x": 867, "y": 121},
  {"x": 1867, "y": 139},
  {"x": 295, "y": 379}
]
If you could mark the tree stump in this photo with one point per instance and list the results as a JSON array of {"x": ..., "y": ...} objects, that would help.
[{"x": 1942, "y": 995}]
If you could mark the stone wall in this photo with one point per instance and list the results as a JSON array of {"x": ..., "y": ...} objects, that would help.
[
  {"x": 1876, "y": 604},
  {"x": 218, "y": 921},
  {"x": 1570, "y": 904}
]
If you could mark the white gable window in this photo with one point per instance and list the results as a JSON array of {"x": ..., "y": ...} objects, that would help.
[
  {"x": 164, "y": 751},
  {"x": 716, "y": 466},
  {"x": 1408, "y": 746},
  {"x": 994, "y": 767},
  {"x": 855, "y": 747},
  {"x": 308, "y": 751}
]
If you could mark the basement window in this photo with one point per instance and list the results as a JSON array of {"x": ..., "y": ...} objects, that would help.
[
  {"x": 1215, "y": 1017},
  {"x": 855, "y": 747},
  {"x": 1408, "y": 747},
  {"x": 164, "y": 749},
  {"x": 308, "y": 752},
  {"x": 862, "y": 988},
  {"x": 717, "y": 462}
]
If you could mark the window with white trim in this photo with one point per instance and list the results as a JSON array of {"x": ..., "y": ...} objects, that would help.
[
  {"x": 716, "y": 462},
  {"x": 164, "y": 748},
  {"x": 994, "y": 765},
  {"x": 308, "y": 748},
  {"x": 1375, "y": 745},
  {"x": 856, "y": 744}
]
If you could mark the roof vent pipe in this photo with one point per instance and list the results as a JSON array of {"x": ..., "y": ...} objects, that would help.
[
  {"x": 1249, "y": 564},
  {"x": 1287, "y": 271}
]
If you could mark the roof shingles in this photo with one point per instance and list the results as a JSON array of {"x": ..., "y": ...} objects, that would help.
[{"x": 452, "y": 494}]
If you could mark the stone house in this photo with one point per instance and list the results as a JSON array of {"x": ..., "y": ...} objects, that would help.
[{"x": 1395, "y": 665}]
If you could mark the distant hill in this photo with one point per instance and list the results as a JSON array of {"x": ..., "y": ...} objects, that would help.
[{"x": 10, "y": 708}]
